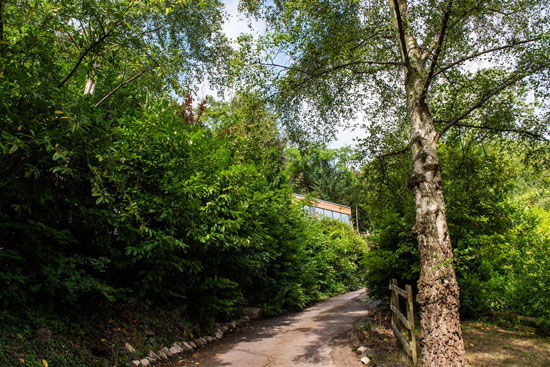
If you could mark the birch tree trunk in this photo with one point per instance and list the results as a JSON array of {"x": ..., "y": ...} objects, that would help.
[{"x": 438, "y": 293}]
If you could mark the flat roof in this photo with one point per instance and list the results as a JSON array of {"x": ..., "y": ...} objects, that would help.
[{"x": 324, "y": 204}]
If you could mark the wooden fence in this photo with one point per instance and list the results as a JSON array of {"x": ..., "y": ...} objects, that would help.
[
  {"x": 517, "y": 321},
  {"x": 398, "y": 319}
]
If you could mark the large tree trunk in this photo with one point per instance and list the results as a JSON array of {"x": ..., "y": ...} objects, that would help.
[
  {"x": 438, "y": 293},
  {"x": 441, "y": 344}
]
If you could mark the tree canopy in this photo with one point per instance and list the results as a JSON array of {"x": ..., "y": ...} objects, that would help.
[{"x": 327, "y": 61}]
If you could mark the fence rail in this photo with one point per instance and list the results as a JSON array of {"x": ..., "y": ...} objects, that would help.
[
  {"x": 407, "y": 321},
  {"x": 518, "y": 322}
]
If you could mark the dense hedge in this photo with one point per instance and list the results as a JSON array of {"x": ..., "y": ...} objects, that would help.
[
  {"x": 123, "y": 195},
  {"x": 163, "y": 209}
]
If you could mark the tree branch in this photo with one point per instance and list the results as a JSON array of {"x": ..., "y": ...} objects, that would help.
[
  {"x": 397, "y": 152},
  {"x": 477, "y": 54},
  {"x": 282, "y": 67},
  {"x": 510, "y": 81},
  {"x": 438, "y": 47},
  {"x": 518, "y": 131},
  {"x": 311, "y": 76},
  {"x": 401, "y": 32},
  {"x": 334, "y": 68},
  {"x": 128, "y": 81},
  {"x": 81, "y": 58}
]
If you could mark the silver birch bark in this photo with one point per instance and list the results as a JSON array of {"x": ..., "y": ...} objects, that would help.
[{"x": 438, "y": 293}]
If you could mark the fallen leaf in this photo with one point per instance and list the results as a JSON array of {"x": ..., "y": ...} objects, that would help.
[
  {"x": 21, "y": 360},
  {"x": 45, "y": 363}
]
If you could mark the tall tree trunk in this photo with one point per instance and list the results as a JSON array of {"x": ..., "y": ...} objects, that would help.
[
  {"x": 441, "y": 344},
  {"x": 438, "y": 294}
]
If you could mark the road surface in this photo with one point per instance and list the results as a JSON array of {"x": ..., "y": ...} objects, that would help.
[{"x": 316, "y": 336}]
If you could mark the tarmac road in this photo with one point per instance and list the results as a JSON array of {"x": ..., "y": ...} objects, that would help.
[{"x": 316, "y": 336}]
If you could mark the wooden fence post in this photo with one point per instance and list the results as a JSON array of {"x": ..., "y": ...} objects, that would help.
[
  {"x": 394, "y": 301},
  {"x": 399, "y": 319},
  {"x": 410, "y": 316}
]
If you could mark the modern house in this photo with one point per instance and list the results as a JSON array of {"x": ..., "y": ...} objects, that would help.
[{"x": 323, "y": 208}]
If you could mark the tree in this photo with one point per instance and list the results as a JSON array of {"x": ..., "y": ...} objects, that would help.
[
  {"x": 322, "y": 172},
  {"x": 252, "y": 133},
  {"x": 57, "y": 225},
  {"x": 324, "y": 59}
]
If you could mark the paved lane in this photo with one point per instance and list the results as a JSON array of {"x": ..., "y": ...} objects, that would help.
[{"x": 313, "y": 337}]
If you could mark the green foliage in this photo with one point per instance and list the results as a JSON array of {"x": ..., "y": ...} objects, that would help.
[
  {"x": 59, "y": 235},
  {"x": 497, "y": 219},
  {"x": 394, "y": 254},
  {"x": 323, "y": 173},
  {"x": 116, "y": 198},
  {"x": 501, "y": 245},
  {"x": 325, "y": 65},
  {"x": 185, "y": 212},
  {"x": 330, "y": 255}
]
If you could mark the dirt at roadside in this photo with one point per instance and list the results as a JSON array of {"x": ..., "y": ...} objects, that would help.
[
  {"x": 491, "y": 345},
  {"x": 377, "y": 336},
  {"x": 487, "y": 345}
]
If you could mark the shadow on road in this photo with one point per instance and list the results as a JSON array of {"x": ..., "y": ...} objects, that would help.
[{"x": 300, "y": 339}]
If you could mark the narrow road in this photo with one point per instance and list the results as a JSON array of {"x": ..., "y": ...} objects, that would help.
[{"x": 316, "y": 336}]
